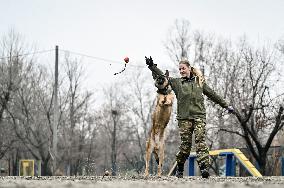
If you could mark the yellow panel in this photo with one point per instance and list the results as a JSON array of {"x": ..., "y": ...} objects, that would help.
[{"x": 26, "y": 168}]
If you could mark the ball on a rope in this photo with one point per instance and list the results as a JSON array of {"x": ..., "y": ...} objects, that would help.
[{"x": 126, "y": 59}]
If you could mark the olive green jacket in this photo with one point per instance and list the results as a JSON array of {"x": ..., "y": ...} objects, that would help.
[{"x": 190, "y": 99}]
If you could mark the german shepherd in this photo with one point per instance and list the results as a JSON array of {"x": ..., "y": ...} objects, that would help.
[{"x": 160, "y": 118}]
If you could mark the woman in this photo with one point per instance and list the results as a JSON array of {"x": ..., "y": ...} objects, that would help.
[{"x": 191, "y": 113}]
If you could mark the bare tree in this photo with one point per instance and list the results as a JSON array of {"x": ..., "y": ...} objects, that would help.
[
  {"x": 30, "y": 115},
  {"x": 91, "y": 150},
  {"x": 75, "y": 111},
  {"x": 116, "y": 127},
  {"x": 11, "y": 63},
  {"x": 178, "y": 42},
  {"x": 249, "y": 91},
  {"x": 115, "y": 107},
  {"x": 12, "y": 66},
  {"x": 280, "y": 47}
]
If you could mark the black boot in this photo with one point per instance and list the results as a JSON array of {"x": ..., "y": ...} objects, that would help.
[
  {"x": 179, "y": 171},
  {"x": 204, "y": 171}
]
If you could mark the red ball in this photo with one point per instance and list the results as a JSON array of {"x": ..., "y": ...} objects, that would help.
[{"x": 126, "y": 59}]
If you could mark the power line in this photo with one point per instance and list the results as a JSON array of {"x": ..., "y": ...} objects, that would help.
[
  {"x": 72, "y": 52},
  {"x": 92, "y": 57},
  {"x": 26, "y": 54},
  {"x": 108, "y": 60},
  {"x": 100, "y": 58},
  {"x": 77, "y": 53}
]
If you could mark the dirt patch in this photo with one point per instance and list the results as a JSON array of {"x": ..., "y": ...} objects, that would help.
[{"x": 140, "y": 182}]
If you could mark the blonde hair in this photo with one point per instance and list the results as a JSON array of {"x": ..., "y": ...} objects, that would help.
[
  {"x": 196, "y": 72},
  {"x": 200, "y": 78}
]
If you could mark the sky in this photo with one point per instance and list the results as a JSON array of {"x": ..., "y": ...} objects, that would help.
[{"x": 114, "y": 29}]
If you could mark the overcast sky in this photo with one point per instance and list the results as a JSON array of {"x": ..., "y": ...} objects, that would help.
[{"x": 113, "y": 29}]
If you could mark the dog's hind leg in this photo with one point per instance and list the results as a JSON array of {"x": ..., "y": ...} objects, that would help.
[
  {"x": 161, "y": 153},
  {"x": 149, "y": 148}
]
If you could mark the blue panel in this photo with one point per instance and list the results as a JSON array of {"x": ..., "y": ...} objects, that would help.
[
  {"x": 191, "y": 170},
  {"x": 230, "y": 163},
  {"x": 229, "y": 166},
  {"x": 282, "y": 166}
]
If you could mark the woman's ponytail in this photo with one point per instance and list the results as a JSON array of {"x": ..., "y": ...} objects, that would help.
[{"x": 200, "y": 78}]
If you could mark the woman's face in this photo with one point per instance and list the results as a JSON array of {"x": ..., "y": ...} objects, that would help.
[{"x": 184, "y": 70}]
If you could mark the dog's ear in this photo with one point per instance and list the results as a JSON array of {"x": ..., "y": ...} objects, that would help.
[{"x": 167, "y": 73}]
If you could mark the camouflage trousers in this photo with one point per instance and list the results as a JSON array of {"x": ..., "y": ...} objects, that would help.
[{"x": 186, "y": 129}]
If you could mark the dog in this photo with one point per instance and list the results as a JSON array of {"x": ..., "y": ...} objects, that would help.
[{"x": 160, "y": 118}]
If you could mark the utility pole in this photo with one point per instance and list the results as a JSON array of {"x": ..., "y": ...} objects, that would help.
[
  {"x": 55, "y": 122},
  {"x": 113, "y": 145}
]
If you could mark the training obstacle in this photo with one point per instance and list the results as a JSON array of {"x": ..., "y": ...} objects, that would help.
[
  {"x": 231, "y": 155},
  {"x": 29, "y": 167}
]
